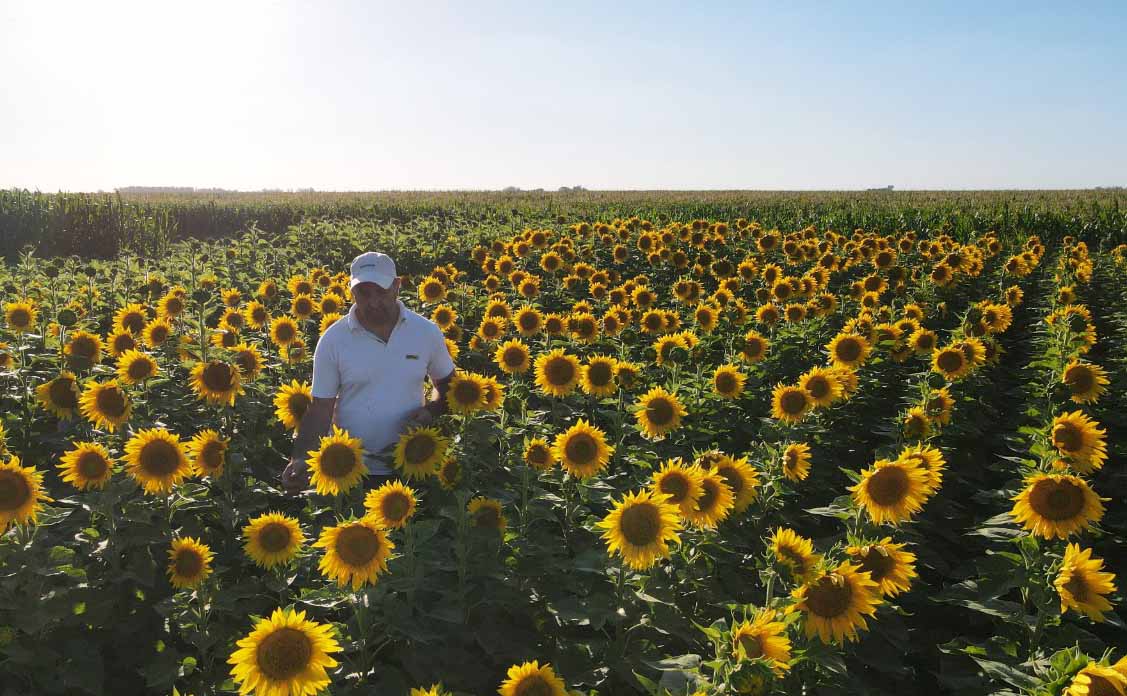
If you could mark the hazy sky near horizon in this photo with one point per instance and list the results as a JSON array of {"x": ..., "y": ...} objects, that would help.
[{"x": 352, "y": 95}]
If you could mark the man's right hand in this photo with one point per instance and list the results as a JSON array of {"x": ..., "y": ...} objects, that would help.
[{"x": 295, "y": 478}]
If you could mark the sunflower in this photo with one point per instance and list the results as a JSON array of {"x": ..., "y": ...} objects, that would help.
[
  {"x": 640, "y": 527},
  {"x": 1056, "y": 505},
  {"x": 256, "y": 315},
  {"x": 21, "y": 493},
  {"x": 449, "y": 472},
  {"x": 189, "y": 562},
  {"x": 284, "y": 331},
  {"x": 763, "y": 638},
  {"x": 582, "y": 450},
  {"x": 285, "y": 655},
  {"x": 512, "y": 357},
  {"x": 1085, "y": 381},
  {"x": 715, "y": 503},
  {"x": 247, "y": 359},
  {"x": 20, "y": 316},
  {"x": 155, "y": 458},
  {"x": 88, "y": 465},
  {"x": 431, "y": 290},
  {"x": 916, "y": 424},
  {"x": 835, "y": 603},
  {"x": 7, "y": 361},
  {"x": 848, "y": 350},
  {"x": 939, "y": 405},
  {"x": 1080, "y": 439},
  {"x": 1099, "y": 680},
  {"x": 444, "y": 316},
  {"x": 419, "y": 452},
  {"x": 134, "y": 367},
  {"x": 171, "y": 305},
  {"x": 83, "y": 350},
  {"x": 131, "y": 318},
  {"x": 356, "y": 552},
  {"x": 1082, "y": 585},
  {"x": 60, "y": 395},
  {"x": 888, "y": 564},
  {"x": 790, "y": 403},
  {"x": 706, "y": 317},
  {"x": 337, "y": 463},
  {"x": 597, "y": 377},
  {"x": 291, "y": 402},
  {"x": 822, "y": 386},
  {"x": 795, "y": 552},
  {"x": 486, "y": 514},
  {"x": 207, "y": 452},
  {"x": 530, "y": 679},
  {"x": 557, "y": 373},
  {"x": 156, "y": 333},
  {"x": 951, "y": 362},
  {"x": 272, "y": 539},
  {"x": 741, "y": 477},
  {"x": 755, "y": 347},
  {"x": 658, "y": 413},
  {"x": 466, "y": 393},
  {"x": 796, "y": 461},
  {"x": 891, "y": 491},
  {"x": 666, "y": 348},
  {"x": 528, "y": 321},
  {"x": 538, "y": 454},
  {"x": 392, "y": 504},
  {"x": 216, "y": 381},
  {"x": 680, "y": 484},
  {"x": 728, "y": 381},
  {"x": 106, "y": 405},
  {"x": 434, "y": 690}
]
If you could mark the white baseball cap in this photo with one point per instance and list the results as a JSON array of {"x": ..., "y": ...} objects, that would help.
[{"x": 373, "y": 267}]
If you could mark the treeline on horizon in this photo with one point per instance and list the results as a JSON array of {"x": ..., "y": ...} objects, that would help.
[{"x": 145, "y": 222}]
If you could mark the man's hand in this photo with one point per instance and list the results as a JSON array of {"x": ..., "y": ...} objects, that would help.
[
  {"x": 420, "y": 416},
  {"x": 295, "y": 478}
]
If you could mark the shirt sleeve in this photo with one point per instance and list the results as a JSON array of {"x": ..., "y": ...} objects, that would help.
[
  {"x": 440, "y": 364},
  {"x": 326, "y": 370}
]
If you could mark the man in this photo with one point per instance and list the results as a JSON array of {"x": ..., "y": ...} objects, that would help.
[{"x": 368, "y": 371}]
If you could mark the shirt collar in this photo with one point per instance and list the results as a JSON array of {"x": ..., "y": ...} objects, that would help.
[{"x": 354, "y": 322}]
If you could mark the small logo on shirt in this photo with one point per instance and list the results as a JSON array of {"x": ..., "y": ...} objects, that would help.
[{"x": 412, "y": 357}]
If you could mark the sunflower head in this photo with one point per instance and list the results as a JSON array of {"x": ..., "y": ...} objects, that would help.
[
  {"x": 189, "y": 562},
  {"x": 640, "y": 528},
  {"x": 291, "y": 403},
  {"x": 87, "y": 465},
  {"x": 156, "y": 459},
  {"x": 512, "y": 357},
  {"x": 835, "y": 603},
  {"x": 208, "y": 453},
  {"x": 790, "y": 404},
  {"x": 538, "y": 454},
  {"x": 392, "y": 504},
  {"x": 285, "y": 653},
  {"x": 532, "y": 679},
  {"x": 356, "y": 552},
  {"x": 60, "y": 395},
  {"x": 485, "y": 513},
  {"x": 582, "y": 449},
  {"x": 338, "y": 463},
  {"x": 1056, "y": 505},
  {"x": 728, "y": 381},
  {"x": 598, "y": 376},
  {"x": 891, "y": 491},
  {"x": 557, "y": 373},
  {"x": 21, "y": 493},
  {"x": 1083, "y": 585},
  {"x": 658, "y": 413},
  {"x": 106, "y": 404},
  {"x": 466, "y": 393},
  {"x": 419, "y": 452},
  {"x": 272, "y": 539}
]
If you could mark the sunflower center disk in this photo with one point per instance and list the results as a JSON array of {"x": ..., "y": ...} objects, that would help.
[
  {"x": 599, "y": 374},
  {"x": 1077, "y": 587},
  {"x": 274, "y": 537},
  {"x": 337, "y": 460},
  {"x": 218, "y": 377},
  {"x": 91, "y": 465},
  {"x": 1080, "y": 381},
  {"x": 581, "y": 449},
  {"x": 950, "y": 361},
  {"x": 14, "y": 491},
  {"x": 818, "y": 387},
  {"x": 395, "y": 507},
  {"x": 419, "y": 449},
  {"x": 284, "y": 653},
  {"x": 467, "y": 393},
  {"x": 829, "y": 598},
  {"x": 1057, "y": 501},
  {"x": 212, "y": 455},
  {"x": 659, "y": 411},
  {"x": 159, "y": 458},
  {"x": 357, "y": 545},
  {"x": 297, "y": 405},
  {"x": 188, "y": 564},
  {"x": 878, "y": 564},
  {"x": 733, "y": 479},
  {"x": 848, "y": 350},
  {"x": 139, "y": 369},
  {"x": 725, "y": 383},
  {"x": 676, "y": 487},
  {"x": 559, "y": 372},
  {"x": 1068, "y": 438},
  {"x": 888, "y": 486},
  {"x": 793, "y": 402},
  {"x": 709, "y": 497},
  {"x": 111, "y": 402},
  {"x": 640, "y": 524},
  {"x": 62, "y": 393}
]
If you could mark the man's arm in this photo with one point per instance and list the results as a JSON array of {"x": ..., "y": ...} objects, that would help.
[
  {"x": 314, "y": 425},
  {"x": 437, "y": 406}
]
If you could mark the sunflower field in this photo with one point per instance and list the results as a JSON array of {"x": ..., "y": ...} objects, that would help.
[{"x": 683, "y": 455}]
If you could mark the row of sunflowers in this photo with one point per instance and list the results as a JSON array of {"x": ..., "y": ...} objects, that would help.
[{"x": 699, "y": 457}]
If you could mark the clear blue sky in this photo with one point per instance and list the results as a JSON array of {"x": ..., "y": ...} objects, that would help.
[{"x": 608, "y": 95}]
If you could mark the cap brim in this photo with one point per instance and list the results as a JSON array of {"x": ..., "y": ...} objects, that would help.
[{"x": 380, "y": 279}]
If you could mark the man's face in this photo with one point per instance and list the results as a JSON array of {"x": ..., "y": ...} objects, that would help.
[{"x": 374, "y": 303}]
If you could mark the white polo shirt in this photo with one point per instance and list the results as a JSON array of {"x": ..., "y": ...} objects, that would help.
[{"x": 378, "y": 384}]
